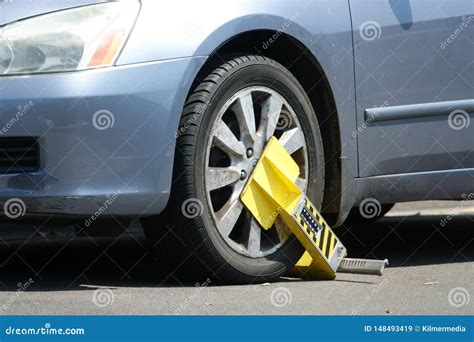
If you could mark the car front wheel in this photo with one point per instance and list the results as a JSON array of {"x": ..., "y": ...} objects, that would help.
[{"x": 225, "y": 125}]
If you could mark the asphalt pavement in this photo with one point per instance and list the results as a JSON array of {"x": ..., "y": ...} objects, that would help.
[{"x": 431, "y": 272}]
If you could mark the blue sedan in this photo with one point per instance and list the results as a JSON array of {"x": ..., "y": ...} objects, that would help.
[{"x": 158, "y": 110}]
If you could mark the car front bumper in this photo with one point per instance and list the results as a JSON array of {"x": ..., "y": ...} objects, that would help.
[{"x": 106, "y": 136}]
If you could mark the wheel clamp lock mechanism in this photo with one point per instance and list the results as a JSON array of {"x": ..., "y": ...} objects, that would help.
[{"x": 271, "y": 194}]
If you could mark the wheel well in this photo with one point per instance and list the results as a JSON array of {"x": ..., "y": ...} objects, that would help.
[{"x": 303, "y": 65}]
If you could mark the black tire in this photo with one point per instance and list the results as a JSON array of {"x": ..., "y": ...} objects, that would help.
[{"x": 192, "y": 247}]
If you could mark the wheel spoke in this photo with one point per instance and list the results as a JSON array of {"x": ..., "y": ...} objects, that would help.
[
  {"x": 219, "y": 177},
  {"x": 254, "y": 232},
  {"x": 227, "y": 141},
  {"x": 245, "y": 114},
  {"x": 282, "y": 230},
  {"x": 301, "y": 183},
  {"x": 292, "y": 140},
  {"x": 271, "y": 111},
  {"x": 255, "y": 238},
  {"x": 228, "y": 215}
]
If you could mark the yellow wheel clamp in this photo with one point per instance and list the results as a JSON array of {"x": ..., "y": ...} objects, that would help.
[{"x": 271, "y": 194}]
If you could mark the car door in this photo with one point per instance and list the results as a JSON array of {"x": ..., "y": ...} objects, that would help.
[{"x": 414, "y": 75}]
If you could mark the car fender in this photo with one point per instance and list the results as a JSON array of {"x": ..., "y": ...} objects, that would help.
[{"x": 180, "y": 29}]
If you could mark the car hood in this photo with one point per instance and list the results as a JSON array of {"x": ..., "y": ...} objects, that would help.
[{"x": 13, "y": 10}]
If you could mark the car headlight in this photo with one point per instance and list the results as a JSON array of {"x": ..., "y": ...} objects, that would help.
[{"x": 73, "y": 39}]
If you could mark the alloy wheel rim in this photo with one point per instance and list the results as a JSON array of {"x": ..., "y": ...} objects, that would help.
[{"x": 237, "y": 138}]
